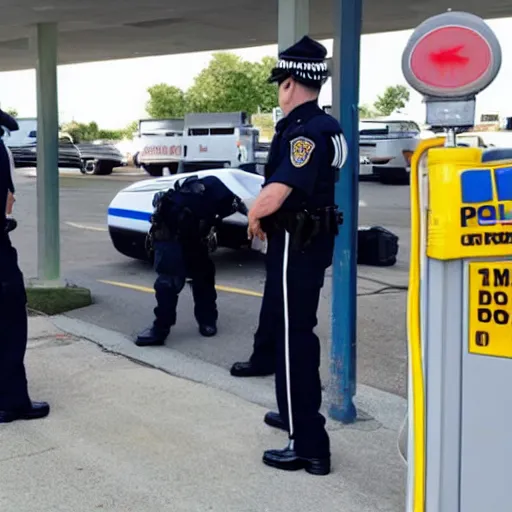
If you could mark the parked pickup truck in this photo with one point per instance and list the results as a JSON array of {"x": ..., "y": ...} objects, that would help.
[
  {"x": 69, "y": 156},
  {"x": 385, "y": 148},
  {"x": 99, "y": 157}
]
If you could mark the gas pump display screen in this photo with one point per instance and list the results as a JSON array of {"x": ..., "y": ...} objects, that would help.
[{"x": 490, "y": 308}]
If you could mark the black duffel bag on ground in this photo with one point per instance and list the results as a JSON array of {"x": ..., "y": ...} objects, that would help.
[{"x": 376, "y": 246}]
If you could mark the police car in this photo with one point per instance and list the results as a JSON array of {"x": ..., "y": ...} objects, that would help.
[{"x": 130, "y": 211}]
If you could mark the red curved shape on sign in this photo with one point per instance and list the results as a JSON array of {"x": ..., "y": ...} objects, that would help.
[{"x": 450, "y": 58}]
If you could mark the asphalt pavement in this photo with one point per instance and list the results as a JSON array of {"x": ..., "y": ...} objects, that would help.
[{"x": 122, "y": 288}]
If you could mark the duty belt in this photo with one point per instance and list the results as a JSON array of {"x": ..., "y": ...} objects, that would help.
[
  {"x": 304, "y": 225},
  {"x": 182, "y": 226}
]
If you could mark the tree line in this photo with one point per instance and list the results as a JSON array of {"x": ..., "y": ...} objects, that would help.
[
  {"x": 228, "y": 84},
  {"x": 394, "y": 97}
]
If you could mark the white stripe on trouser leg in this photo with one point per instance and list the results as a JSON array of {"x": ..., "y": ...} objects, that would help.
[{"x": 287, "y": 335}]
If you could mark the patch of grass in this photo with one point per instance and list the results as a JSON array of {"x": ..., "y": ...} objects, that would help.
[{"x": 54, "y": 301}]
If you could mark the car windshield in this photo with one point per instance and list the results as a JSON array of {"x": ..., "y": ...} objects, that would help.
[
  {"x": 381, "y": 128},
  {"x": 158, "y": 125}
]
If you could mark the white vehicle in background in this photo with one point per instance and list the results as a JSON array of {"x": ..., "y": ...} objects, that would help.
[
  {"x": 216, "y": 140},
  {"x": 159, "y": 145},
  {"x": 130, "y": 211},
  {"x": 26, "y": 135},
  {"x": 491, "y": 139},
  {"x": 386, "y": 146}
]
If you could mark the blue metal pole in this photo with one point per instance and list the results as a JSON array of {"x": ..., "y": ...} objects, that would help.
[{"x": 347, "y": 30}]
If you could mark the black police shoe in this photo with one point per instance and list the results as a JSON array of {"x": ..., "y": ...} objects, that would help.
[
  {"x": 152, "y": 337},
  {"x": 288, "y": 460},
  {"x": 273, "y": 419},
  {"x": 35, "y": 411},
  {"x": 207, "y": 330},
  {"x": 249, "y": 369}
]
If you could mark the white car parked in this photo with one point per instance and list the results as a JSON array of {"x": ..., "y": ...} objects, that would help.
[
  {"x": 386, "y": 146},
  {"x": 130, "y": 211}
]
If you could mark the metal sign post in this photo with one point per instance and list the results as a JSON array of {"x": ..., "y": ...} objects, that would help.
[{"x": 460, "y": 293}]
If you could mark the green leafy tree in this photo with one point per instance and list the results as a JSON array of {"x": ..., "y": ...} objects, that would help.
[
  {"x": 224, "y": 86},
  {"x": 87, "y": 132},
  {"x": 110, "y": 134},
  {"x": 265, "y": 94},
  {"x": 366, "y": 112},
  {"x": 166, "y": 101},
  {"x": 130, "y": 130},
  {"x": 12, "y": 112},
  {"x": 394, "y": 98},
  {"x": 228, "y": 84},
  {"x": 81, "y": 132}
]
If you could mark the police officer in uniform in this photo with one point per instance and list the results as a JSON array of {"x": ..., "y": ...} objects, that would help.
[
  {"x": 183, "y": 229},
  {"x": 295, "y": 211},
  {"x": 15, "y": 403},
  {"x": 8, "y": 122}
]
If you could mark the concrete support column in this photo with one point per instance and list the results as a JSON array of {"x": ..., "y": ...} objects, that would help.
[
  {"x": 345, "y": 72},
  {"x": 48, "y": 225},
  {"x": 293, "y": 22}
]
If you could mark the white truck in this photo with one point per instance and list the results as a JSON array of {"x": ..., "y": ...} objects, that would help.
[
  {"x": 386, "y": 146},
  {"x": 213, "y": 140},
  {"x": 27, "y": 133},
  {"x": 160, "y": 145}
]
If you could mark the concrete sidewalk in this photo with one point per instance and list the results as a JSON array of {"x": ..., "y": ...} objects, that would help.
[{"x": 127, "y": 437}]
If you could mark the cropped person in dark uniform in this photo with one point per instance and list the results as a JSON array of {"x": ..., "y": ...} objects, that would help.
[
  {"x": 9, "y": 123},
  {"x": 182, "y": 229},
  {"x": 295, "y": 211},
  {"x": 15, "y": 403}
]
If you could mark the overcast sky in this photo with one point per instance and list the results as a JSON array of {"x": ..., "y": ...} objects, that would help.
[{"x": 115, "y": 93}]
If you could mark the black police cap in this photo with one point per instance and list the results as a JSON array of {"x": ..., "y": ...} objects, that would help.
[{"x": 304, "y": 62}]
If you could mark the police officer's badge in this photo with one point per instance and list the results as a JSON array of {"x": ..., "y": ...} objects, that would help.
[{"x": 301, "y": 150}]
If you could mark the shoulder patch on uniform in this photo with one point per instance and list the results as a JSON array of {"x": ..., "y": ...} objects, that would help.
[{"x": 301, "y": 149}]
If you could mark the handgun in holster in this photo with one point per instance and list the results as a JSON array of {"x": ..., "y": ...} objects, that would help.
[
  {"x": 330, "y": 219},
  {"x": 302, "y": 229}
]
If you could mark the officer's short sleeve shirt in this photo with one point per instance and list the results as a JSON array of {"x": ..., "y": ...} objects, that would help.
[{"x": 303, "y": 158}]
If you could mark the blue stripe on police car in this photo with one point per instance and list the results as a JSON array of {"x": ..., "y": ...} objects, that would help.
[{"x": 129, "y": 214}]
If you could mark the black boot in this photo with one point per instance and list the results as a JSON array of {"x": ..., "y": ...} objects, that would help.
[
  {"x": 35, "y": 411},
  {"x": 273, "y": 419},
  {"x": 288, "y": 460},
  {"x": 207, "y": 330},
  {"x": 153, "y": 336},
  {"x": 250, "y": 369}
]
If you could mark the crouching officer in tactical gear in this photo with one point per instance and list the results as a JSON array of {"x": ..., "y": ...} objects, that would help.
[
  {"x": 181, "y": 234},
  {"x": 15, "y": 402},
  {"x": 295, "y": 211}
]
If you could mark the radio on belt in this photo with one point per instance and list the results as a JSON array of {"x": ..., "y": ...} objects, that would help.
[{"x": 459, "y": 445}]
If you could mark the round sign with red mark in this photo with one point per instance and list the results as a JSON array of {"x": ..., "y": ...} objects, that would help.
[{"x": 454, "y": 54}]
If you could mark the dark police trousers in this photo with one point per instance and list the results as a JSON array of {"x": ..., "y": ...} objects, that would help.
[
  {"x": 174, "y": 262},
  {"x": 13, "y": 331},
  {"x": 289, "y": 316}
]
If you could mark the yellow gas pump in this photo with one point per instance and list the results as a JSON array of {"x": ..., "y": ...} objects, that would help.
[{"x": 460, "y": 283}]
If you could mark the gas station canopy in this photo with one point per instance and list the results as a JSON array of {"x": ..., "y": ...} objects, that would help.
[{"x": 95, "y": 30}]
